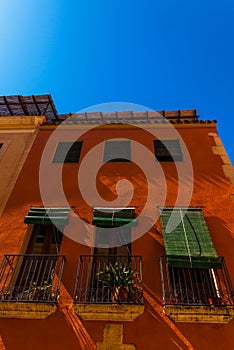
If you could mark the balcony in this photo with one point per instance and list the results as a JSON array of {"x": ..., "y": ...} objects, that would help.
[
  {"x": 197, "y": 294},
  {"x": 109, "y": 287},
  {"x": 29, "y": 285}
]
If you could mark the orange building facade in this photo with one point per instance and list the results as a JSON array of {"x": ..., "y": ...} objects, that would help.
[{"x": 118, "y": 234}]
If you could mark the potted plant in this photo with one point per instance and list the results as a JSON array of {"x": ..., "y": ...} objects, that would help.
[
  {"x": 121, "y": 280},
  {"x": 39, "y": 292}
]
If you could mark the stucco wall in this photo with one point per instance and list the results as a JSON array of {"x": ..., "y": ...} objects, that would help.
[
  {"x": 212, "y": 191},
  {"x": 16, "y": 136}
]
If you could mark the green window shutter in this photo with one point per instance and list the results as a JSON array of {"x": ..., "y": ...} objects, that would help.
[
  {"x": 114, "y": 217},
  {"x": 189, "y": 244},
  {"x": 47, "y": 216}
]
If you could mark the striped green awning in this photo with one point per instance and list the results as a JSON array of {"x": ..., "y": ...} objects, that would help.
[
  {"x": 187, "y": 239},
  {"x": 47, "y": 215},
  {"x": 114, "y": 217}
]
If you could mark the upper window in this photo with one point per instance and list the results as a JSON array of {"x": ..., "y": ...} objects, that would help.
[
  {"x": 46, "y": 237},
  {"x": 168, "y": 150},
  {"x": 68, "y": 152},
  {"x": 117, "y": 151},
  {"x": 118, "y": 218}
]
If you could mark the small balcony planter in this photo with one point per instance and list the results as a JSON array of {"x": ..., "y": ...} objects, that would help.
[
  {"x": 37, "y": 292},
  {"x": 30, "y": 285},
  {"x": 109, "y": 288},
  {"x": 121, "y": 281}
]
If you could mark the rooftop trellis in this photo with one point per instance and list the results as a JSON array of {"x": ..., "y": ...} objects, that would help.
[
  {"x": 128, "y": 117},
  {"x": 19, "y": 105}
]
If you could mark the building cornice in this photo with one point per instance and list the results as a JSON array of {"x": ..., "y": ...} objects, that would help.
[
  {"x": 9, "y": 124},
  {"x": 206, "y": 124}
]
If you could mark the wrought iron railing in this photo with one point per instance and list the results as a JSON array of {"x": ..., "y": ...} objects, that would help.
[
  {"x": 109, "y": 278},
  {"x": 196, "y": 286},
  {"x": 31, "y": 277}
]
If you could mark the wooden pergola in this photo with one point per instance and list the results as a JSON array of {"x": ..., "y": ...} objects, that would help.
[
  {"x": 131, "y": 117},
  {"x": 19, "y": 105}
]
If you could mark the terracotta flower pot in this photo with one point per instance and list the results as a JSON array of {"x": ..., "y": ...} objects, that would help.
[{"x": 119, "y": 294}]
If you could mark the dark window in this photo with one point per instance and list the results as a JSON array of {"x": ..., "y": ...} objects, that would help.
[
  {"x": 113, "y": 243},
  {"x": 168, "y": 150},
  {"x": 43, "y": 245},
  {"x": 68, "y": 152},
  {"x": 38, "y": 266},
  {"x": 1, "y": 144},
  {"x": 112, "y": 246},
  {"x": 111, "y": 274},
  {"x": 35, "y": 275},
  {"x": 45, "y": 239},
  {"x": 117, "y": 151},
  {"x": 111, "y": 254},
  {"x": 192, "y": 286},
  {"x": 48, "y": 225},
  {"x": 116, "y": 242}
]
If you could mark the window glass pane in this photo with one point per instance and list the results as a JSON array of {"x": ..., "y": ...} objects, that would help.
[
  {"x": 120, "y": 237},
  {"x": 68, "y": 152},
  {"x": 117, "y": 151},
  {"x": 168, "y": 150},
  {"x": 45, "y": 239}
]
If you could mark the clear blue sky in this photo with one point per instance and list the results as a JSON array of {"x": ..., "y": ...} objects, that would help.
[{"x": 167, "y": 54}]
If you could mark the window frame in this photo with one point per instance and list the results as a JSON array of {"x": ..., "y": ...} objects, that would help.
[
  {"x": 124, "y": 155},
  {"x": 41, "y": 239},
  {"x": 164, "y": 151},
  {"x": 110, "y": 249},
  {"x": 62, "y": 156}
]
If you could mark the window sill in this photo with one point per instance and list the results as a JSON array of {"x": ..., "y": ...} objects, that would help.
[
  {"x": 201, "y": 314},
  {"x": 108, "y": 312},
  {"x": 26, "y": 310}
]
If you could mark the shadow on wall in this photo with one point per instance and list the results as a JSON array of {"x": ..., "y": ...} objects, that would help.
[
  {"x": 175, "y": 339},
  {"x": 223, "y": 239}
]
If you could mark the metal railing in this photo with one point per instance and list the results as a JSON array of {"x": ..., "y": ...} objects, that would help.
[
  {"x": 105, "y": 279},
  {"x": 31, "y": 277},
  {"x": 129, "y": 117},
  {"x": 196, "y": 286}
]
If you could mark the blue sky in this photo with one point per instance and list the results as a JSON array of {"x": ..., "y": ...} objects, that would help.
[{"x": 167, "y": 54}]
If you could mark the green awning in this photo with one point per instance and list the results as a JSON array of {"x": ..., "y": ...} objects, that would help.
[
  {"x": 48, "y": 215},
  {"x": 187, "y": 239},
  {"x": 114, "y": 217}
]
